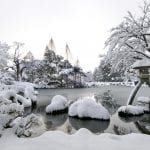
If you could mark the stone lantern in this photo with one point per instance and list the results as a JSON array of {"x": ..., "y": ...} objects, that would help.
[{"x": 142, "y": 68}]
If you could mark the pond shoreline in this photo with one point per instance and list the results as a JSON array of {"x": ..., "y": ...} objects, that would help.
[{"x": 62, "y": 121}]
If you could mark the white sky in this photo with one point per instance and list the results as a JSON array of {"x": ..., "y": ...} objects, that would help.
[{"x": 83, "y": 24}]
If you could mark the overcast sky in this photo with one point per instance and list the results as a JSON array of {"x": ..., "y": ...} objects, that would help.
[{"x": 83, "y": 24}]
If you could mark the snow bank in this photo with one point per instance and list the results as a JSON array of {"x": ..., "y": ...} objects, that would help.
[
  {"x": 130, "y": 110},
  {"x": 88, "y": 108},
  {"x": 82, "y": 139},
  {"x": 99, "y": 84},
  {"x": 58, "y": 103}
]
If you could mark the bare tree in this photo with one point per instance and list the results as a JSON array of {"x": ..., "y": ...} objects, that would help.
[{"x": 17, "y": 60}]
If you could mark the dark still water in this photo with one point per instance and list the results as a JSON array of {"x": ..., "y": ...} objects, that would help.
[{"x": 116, "y": 125}]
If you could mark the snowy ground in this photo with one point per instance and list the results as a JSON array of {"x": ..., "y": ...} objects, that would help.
[{"x": 83, "y": 139}]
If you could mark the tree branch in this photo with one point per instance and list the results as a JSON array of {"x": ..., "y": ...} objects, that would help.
[
  {"x": 142, "y": 54},
  {"x": 129, "y": 45}
]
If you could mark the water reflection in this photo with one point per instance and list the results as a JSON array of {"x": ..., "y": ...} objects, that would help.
[
  {"x": 121, "y": 130},
  {"x": 129, "y": 119},
  {"x": 143, "y": 125},
  {"x": 53, "y": 121},
  {"x": 108, "y": 101},
  {"x": 95, "y": 126}
]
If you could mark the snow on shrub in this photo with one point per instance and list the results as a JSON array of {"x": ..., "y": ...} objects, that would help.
[
  {"x": 27, "y": 89},
  {"x": 24, "y": 101},
  {"x": 88, "y": 108},
  {"x": 5, "y": 120},
  {"x": 4, "y": 101},
  {"x": 13, "y": 108},
  {"x": 58, "y": 103},
  {"x": 130, "y": 110},
  {"x": 29, "y": 126},
  {"x": 9, "y": 108},
  {"x": 8, "y": 94}
]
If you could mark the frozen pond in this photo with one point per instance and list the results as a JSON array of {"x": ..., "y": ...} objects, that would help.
[{"x": 116, "y": 124}]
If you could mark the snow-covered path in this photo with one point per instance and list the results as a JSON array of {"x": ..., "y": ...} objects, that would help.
[{"x": 81, "y": 140}]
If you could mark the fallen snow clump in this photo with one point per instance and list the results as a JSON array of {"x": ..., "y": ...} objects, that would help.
[{"x": 88, "y": 108}]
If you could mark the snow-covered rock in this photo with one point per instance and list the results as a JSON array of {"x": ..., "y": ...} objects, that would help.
[
  {"x": 58, "y": 103},
  {"x": 130, "y": 110},
  {"x": 88, "y": 108},
  {"x": 144, "y": 102},
  {"x": 143, "y": 99}
]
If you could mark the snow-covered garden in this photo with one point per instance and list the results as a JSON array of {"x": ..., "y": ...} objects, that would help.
[
  {"x": 16, "y": 135},
  {"x": 52, "y": 103}
]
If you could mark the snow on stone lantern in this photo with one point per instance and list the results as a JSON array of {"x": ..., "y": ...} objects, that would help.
[{"x": 142, "y": 68}]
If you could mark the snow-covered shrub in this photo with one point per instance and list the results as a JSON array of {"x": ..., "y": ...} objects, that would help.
[
  {"x": 29, "y": 126},
  {"x": 26, "y": 90},
  {"x": 5, "y": 78},
  {"x": 24, "y": 101},
  {"x": 12, "y": 108},
  {"x": 5, "y": 120},
  {"x": 88, "y": 108},
  {"x": 9, "y": 108},
  {"x": 9, "y": 94},
  {"x": 4, "y": 100},
  {"x": 58, "y": 104},
  {"x": 130, "y": 110}
]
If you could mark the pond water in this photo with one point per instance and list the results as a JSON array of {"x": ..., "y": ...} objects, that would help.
[{"x": 116, "y": 125}]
